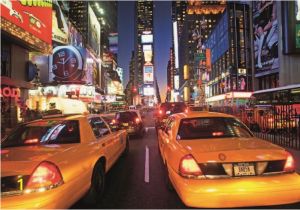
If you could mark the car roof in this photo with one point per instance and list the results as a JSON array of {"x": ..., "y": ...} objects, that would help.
[{"x": 201, "y": 114}]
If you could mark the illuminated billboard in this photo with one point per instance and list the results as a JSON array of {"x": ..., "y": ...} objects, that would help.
[
  {"x": 175, "y": 35},
  {"x": 148, "y": 74},
  {"x": 147, "y": 47},
  {"x": 148, "y": 91},
  {"x": 148, "y": 56},
  {"x": 176, "y": 82},
  {"x": 28, "y": 21},
  {"x": 147, "y": 38},
  {"x": 265, "y": 29},
  {"x": 60, "y": 31},
  {"x": 93, "y": 31}
]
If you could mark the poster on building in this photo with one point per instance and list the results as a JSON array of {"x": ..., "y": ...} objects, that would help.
[
  {"x": 93, "y": 31},
  {"x": 60, "y": 31},
  {"x": 265, "y": 28},
  {"x": 148, "y": 74},
  {"x": 27, "y": 20},
  {"x": 75, "y": 38}
]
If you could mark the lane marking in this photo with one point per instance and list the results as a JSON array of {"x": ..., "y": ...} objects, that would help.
[{"x": 147, "y": 165}]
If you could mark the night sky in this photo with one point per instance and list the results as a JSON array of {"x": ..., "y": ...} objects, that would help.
[{"x": 162, "y": 39}]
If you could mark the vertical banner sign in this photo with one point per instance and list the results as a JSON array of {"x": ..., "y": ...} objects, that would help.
[
  {"x": 148, "y": 74},
  {"x": 208, "y": 60}
]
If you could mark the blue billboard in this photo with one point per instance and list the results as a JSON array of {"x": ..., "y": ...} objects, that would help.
[{"x": 218, "y": 41}]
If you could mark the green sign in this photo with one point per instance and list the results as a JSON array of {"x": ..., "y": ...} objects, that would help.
[{"x": 298, "y": 35}]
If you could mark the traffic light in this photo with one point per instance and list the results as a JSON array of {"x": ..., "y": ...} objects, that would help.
[
  {"x": 134, "y": 89},
  {"x": 168, "y": 88}
]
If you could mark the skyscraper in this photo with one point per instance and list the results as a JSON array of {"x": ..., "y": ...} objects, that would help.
[
  {"x": 144, "y": 62},
  {"x": 191, "y": 21}
]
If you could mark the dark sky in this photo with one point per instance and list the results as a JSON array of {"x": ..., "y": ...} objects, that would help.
[{"x": 162, "y": 39}]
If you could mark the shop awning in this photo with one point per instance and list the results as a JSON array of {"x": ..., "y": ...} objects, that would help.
[{"x": 16, "y": 83}]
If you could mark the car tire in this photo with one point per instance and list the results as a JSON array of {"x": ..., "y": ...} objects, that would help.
[
  {"x": 96, "y": 190},
  {"x": 126, "y": 151},
  {"x": 168, "y": 182}
]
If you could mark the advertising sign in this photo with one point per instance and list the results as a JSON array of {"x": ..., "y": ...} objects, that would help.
[
  {"x": 113, "y": 43},
  {"x": 208, "y": 60},
  {"x": 148, "y": 74},
  {"x": 75, "y": 38},
  {"x": 265, "y": 28},
  {"x": 66, "y": 64},
  {"x": 147, "y": 47},
  {"x": 148, "y": 56},
  {"x": 147, "y": 38},
  {"x": 31, "y": 16},
  {"x": 176, "y": 82},
  {"x": 93, "y": 31},
  {"x": 60, "y": 31},
  {"x": 148, "y": 91}
]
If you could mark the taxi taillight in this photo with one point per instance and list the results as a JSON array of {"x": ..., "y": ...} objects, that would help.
[
  {"x": 189, "y": 168},
  {"x": 137, "y": 120},
  {"x": 289, "y": 164},
  {"x": 46, "y": 176},
  {"x": 160, "y": 111}
]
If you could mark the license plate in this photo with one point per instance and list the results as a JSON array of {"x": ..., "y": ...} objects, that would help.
[
  {"x": 244, "y": 169},
  {"x": 125, "y": 124}
]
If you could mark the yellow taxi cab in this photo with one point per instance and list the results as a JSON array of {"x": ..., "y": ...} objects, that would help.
[
  {"x": 214, "y": 161},
  {"x": 55, "y": 161}
]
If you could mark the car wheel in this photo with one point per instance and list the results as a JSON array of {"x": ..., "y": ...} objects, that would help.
[
  {"x": 96, "y": 190},
  {"x": 126, "y": 151},
  {"x": 168, "y": 181}
]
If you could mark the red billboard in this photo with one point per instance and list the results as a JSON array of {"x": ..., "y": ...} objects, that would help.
[{"x": 32, "y": 16}]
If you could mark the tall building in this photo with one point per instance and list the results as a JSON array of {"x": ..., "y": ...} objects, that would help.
[
  {"x": 131, "y": 88},
  {"x": 179, "y": 9},
  {"x": 144, "y": 47},
  {"x": 230, "y": 79},
  {"x": 190, "y": 17}
]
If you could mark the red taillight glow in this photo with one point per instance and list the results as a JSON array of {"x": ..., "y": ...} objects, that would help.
[
  {"x": 289, "y": 164},
  {"x": 137, "y": 120},
  {"x": 45, "y": 176},
  {"x": 186, "y": 110},
  {"x": 113, "y": 121},
  {"x": 188, "y": 167},
  {"x": 160, "y": 111},
  {"x": 31, "y": 141},
  {"x": 217, "y": 133}
]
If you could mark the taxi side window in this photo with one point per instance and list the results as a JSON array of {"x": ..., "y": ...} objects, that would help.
[{"x": 99, "y": 127}]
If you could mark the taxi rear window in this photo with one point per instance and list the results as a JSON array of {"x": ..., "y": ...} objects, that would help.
[
  {"x": 211, "y": 127},
  {"x": 44, "y": 132}
]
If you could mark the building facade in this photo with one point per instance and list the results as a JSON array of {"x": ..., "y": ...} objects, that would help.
[{"x": 230, "y": 79}]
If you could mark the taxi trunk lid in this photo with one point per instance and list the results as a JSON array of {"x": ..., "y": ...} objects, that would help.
[
  {"x": 23, "y": 160},
  {"x": 233, "y": 150}
]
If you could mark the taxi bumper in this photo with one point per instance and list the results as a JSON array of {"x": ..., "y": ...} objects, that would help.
[
  {"x": 61, "y": 197},
  {"x": 238, "y": 192}
]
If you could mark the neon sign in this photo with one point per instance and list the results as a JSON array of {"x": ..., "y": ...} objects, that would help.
[{"x": 10, "y": 92}]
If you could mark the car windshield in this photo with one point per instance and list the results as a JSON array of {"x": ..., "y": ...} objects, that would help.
[
  {"x": 127, "y": 116},
  {"x": 172, "y": 108},
  {"x": 44, "y": 132},
  {"x": 211, "y": 127}
]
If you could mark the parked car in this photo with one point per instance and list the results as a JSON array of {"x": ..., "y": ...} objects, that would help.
[
  {"x": 213, "y": 160},
  {"x": 168, "y": 108},
  {"x": 55, "y": 161},
  {"x": 131, "y": 121}
]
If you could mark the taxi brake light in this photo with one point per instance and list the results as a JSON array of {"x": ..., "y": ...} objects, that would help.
[
  {"x": 137, "y": 120},
  {"x": 188, "y": 167},
  {"x": 186, "y": 110},
  {"x": 46, "y": 176},
  {"x": 289, "y": 164},
  {"x": 31, "y": 141},
  {"x": 160, "y": 111}
]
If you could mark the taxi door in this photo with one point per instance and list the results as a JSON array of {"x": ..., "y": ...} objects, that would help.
[{"x": 105, "y": 138}]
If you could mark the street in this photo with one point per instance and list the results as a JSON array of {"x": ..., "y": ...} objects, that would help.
[{"x": 126, "y": 187}]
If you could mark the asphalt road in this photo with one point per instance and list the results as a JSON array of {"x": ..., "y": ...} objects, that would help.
[{"x": 130, "y": 186}]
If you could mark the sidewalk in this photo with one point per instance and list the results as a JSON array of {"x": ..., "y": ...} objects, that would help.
[{"x": 296, "y": 155}]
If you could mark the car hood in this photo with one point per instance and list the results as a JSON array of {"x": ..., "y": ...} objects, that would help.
[
  {"x": 23, "y": 160},
  {"x": 233, "y": 150}
]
